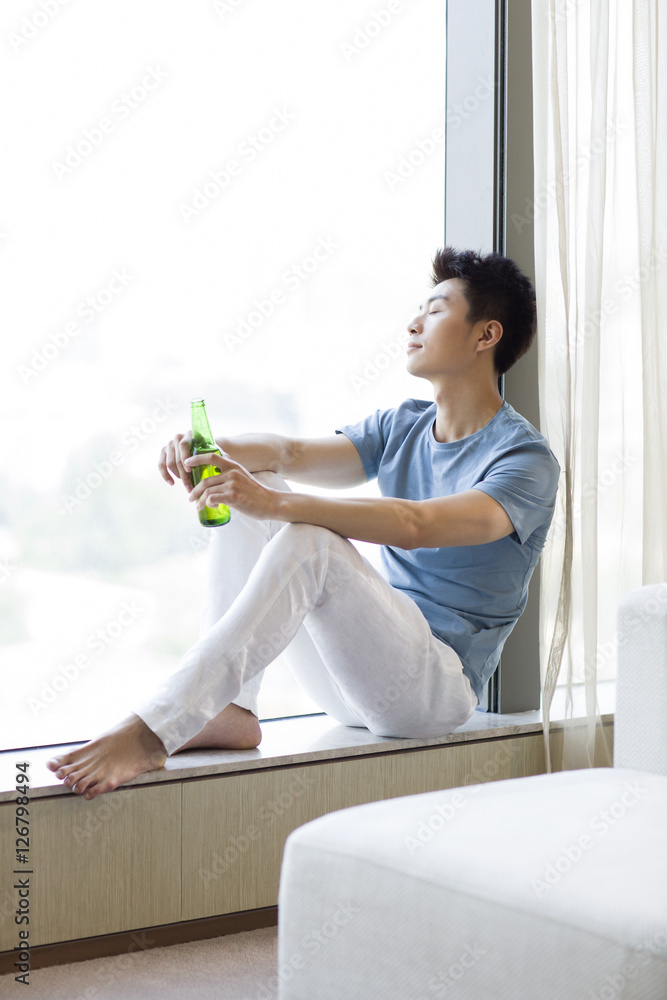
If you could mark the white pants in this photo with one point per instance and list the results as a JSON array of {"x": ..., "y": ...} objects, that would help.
[{"x": 361, "y": 649}]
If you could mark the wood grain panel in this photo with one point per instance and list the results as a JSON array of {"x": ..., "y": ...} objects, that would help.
[
  {"x": 495, "y": 760},
  {"x": 234, "y": 828},
  {"x": 573, "y": 751},
  {"x": 99, "y": 867},
  {"x": 119, "y": 863}
]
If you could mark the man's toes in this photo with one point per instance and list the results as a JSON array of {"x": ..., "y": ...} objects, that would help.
[
  {"x": 56, "y": 763},
  {"x": 85, "y": 783},
  {"x": 75, "y": 778},
  {"x": 93, "y": 789},
  {"x": 65, "y": 770}
]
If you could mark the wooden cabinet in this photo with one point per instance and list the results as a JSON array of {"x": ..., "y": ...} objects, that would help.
[{"x": 172, "y": 851}]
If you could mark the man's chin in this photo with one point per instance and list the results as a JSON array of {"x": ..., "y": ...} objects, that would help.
[{"x": 412, "y": 366}]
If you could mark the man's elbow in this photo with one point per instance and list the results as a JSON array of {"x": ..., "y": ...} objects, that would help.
[
  {"x": 414, "y": 527},
  {"x": 289, "y": 452},
  {"x": 422, "y": 533}
]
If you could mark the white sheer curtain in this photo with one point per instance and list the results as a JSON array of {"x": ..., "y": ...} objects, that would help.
[{"x": 600, "y": 125}]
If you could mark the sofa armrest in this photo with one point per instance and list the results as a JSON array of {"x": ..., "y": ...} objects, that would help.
[{"x": 640, "y": 721}]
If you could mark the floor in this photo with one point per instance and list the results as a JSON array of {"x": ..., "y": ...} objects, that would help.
[{"x": 235, "y": 967}]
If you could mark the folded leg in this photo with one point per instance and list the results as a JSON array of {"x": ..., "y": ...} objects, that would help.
[
  {"x": 233, "y": 552},
  {"x": 389, "y": 670}
]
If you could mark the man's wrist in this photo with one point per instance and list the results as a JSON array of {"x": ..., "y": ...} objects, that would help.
[
  {"x": 223, "y": 446},
  {"x": 284, "y": 505},
  {"x": 256, "y": 453}
]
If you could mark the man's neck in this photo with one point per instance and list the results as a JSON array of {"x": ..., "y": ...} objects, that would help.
[{"x": 464, "y": 409}]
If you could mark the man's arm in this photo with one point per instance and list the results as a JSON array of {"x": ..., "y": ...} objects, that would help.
[
  {"x": 468, "y": 518},
  {"x": 331, "y": 462}
]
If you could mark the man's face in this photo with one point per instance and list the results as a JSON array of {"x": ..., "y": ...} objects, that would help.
[{"x": 442, "y": 341}]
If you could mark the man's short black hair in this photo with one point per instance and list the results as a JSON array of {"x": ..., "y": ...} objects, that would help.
[{"x": 494, "y": 288}]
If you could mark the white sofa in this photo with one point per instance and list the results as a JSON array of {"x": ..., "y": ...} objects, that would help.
[{"x": 551, "y": 887}]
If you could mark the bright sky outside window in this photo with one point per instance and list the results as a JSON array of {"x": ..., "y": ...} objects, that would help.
[{"x": 230, "y": 200}]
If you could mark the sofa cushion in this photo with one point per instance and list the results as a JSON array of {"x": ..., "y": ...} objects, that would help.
[{"x": 554, "y": 885}]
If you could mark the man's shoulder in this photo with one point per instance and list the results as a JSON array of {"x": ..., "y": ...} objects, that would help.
[
  {"x": 517, "y": 450},
  {"x": 517, "y": 431},
  {"x": 417, "y": 405},
  {"x": 406, "y": 427},
  {"x": 410, "y": 410}
]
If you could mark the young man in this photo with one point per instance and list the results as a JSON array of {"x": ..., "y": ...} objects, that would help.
[{"x": 468, "y": 490}]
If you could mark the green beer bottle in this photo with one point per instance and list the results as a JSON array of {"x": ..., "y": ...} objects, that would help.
[{"x": 203, "y": 442}]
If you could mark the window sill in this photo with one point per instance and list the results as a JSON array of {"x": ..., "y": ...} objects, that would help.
[{"x": 285, "y": 742}]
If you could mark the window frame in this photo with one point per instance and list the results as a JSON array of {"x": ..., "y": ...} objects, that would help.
[{"x": 488, "y": 40}]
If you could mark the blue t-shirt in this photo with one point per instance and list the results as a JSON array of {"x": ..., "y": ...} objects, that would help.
[{"x": 471, "y": 595}]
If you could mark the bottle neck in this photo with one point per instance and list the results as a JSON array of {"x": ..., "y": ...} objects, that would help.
[{"x": 202, "y": 437}]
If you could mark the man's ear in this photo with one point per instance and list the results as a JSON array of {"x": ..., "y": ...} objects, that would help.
[{"x": 491, "y": 334}]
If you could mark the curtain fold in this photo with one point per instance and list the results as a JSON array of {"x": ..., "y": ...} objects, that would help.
[
  {"x": 650, "y": 94},
  {"x": 600, "y": 250}
]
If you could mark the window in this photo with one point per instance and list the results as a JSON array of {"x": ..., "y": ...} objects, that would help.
[{"x": 237, "y": 200}]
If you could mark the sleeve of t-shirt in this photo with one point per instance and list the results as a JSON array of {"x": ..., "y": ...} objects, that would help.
[
  {"x": 369, "y": 437},
  {"x": 524, "y": 482}
]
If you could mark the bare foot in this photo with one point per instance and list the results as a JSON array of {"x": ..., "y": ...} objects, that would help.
[
  {"x": 113, "y": 759},
  {"x": 234, "y": 728}
]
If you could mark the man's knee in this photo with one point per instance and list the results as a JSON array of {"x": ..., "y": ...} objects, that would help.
[
  {"x": 301, "y": 536},
  {"x": 323, "y": 550},
  {"x": 272, "y": 480}
]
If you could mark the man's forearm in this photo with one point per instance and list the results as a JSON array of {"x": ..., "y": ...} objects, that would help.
[
  {"x": 467, "y": 518},
  {"x": 332, "y": 462},
  {"x": 258, "y": 452},
  {"x": 385, "y": 521}
]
